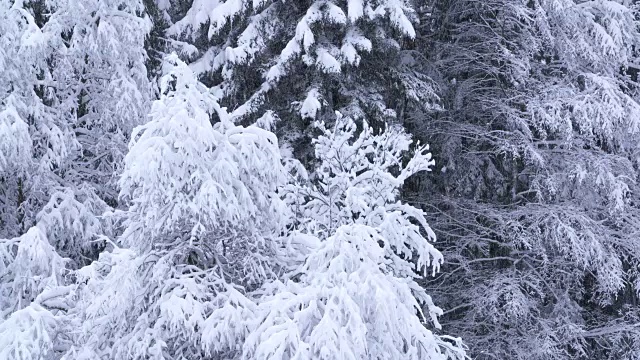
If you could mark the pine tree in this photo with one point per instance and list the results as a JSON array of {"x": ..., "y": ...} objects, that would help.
[
  {"x": 202, "y": 224},
  {"x": 66, "y": 99},
  {"x": 102, "y": 84},
  {"x": 537, "y": 184},
  {"x": 74, "y": 86},
  {"x": 35, "y": 141},
  {"x": 303, "y": 60},
  {"x": 355, "y": 295}
]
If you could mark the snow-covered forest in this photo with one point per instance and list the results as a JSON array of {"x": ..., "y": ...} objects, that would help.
[{"x": 319, "y": 179}]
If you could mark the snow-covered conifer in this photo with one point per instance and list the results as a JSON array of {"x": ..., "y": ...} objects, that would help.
[
  {"x": 202, "y": 225},
  {"x": 538, "y": 175},
  {"x": 304, "y": 60},
  {"x": 73, "y": 87},
  {"x": 32, "y": 289},
  {"x": 35, "y": 138},
  {"x": 102, "y": 83},
  {"x": 355, "y": 295}
]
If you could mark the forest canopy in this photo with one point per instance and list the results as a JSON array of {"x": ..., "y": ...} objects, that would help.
[{"x": 319, "y": 179}]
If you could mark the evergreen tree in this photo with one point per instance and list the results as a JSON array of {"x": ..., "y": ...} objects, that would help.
[
  {"x": 73, "y": 87},
  {"x": 355, "y": 295},
  {"x": 538, "y": 183},
  {"x": 73, "y": 82},
  {"x": 202, "y": 224},
  {"x": 302, "y": 60}
]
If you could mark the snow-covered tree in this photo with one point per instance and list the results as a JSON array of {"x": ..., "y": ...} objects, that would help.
[
  {"x": 35, "y": 140},
  {"x": 355, "y": 295},
  {"x": 302, "y": 60},
  {"x": 102, "y": 86},
  {"x": 73, "y": 82},
  {"x": 33, "y": 296},
  {"x": 201, "y": 228},
  {"x": 73, "y": 87},
  {"x": 537, "y": 190}
]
